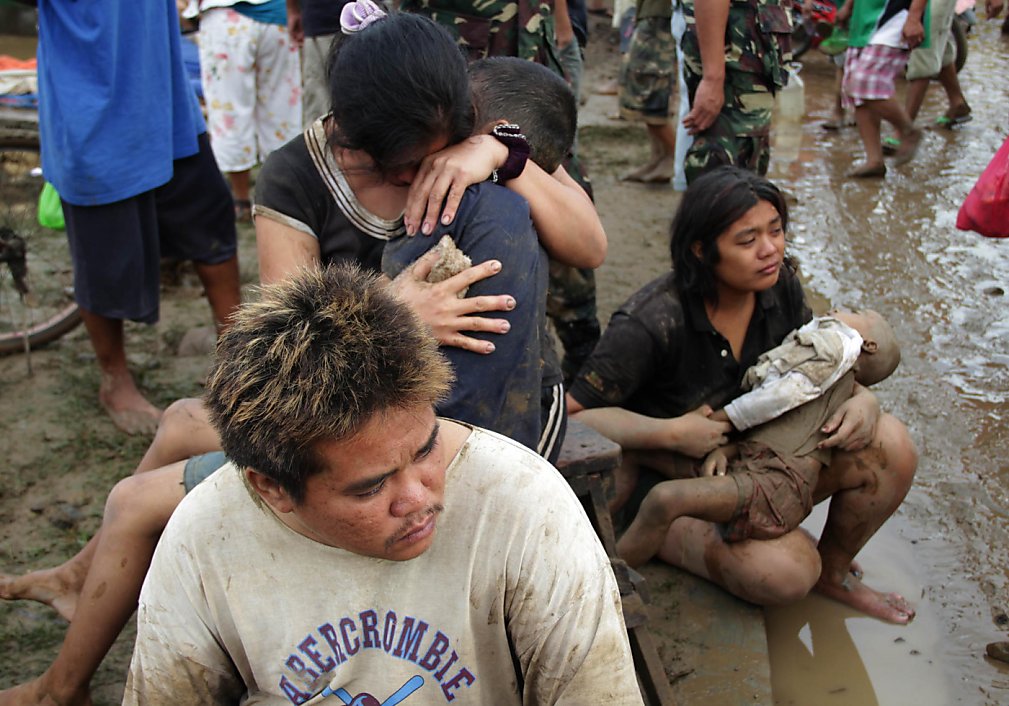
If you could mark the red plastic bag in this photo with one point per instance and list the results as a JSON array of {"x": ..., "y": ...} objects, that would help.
[{"x": 986, "y": 208}]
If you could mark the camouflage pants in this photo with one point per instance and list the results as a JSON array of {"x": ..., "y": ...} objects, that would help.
[
  {"x": 740, "y": 134},
  {"x": 571, "y": 306},
  {"x": 647, "y": 72},
  {"x": 571, "y": 299}
]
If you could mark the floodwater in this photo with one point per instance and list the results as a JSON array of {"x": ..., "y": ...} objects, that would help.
[{"x": 892, "y": 245}]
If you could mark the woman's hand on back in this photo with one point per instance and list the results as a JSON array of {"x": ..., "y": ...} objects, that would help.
[
  {"x": 439, "y": 306},
  {"x": 853, "y": 425}
]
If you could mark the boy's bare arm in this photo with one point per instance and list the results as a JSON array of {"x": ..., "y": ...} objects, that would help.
[{"x": 719, "y": 415}]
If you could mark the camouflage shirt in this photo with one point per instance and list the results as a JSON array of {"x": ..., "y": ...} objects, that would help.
[
  {"x": 522, "y": 28},
  {"x": 758, "y": 40}
]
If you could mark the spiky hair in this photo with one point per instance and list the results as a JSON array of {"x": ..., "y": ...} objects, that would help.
[{"x": 315, "y": 359}]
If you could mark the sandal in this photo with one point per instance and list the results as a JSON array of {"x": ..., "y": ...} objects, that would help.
[
  {"x": 890, "y": 145},
  {"x": 948, "y": 122}
]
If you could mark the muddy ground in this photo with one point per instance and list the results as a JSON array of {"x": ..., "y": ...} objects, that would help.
[{"x": 59, "y": 454}]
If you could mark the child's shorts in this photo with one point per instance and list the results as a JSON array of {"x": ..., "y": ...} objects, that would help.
[
  {"x": 775, "y": 492},
  {"x": 117, "y": 248},
  {"x": 870, "y": 73}
]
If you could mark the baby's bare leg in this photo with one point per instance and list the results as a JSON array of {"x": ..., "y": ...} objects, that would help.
[{"x": 714, "y": 499}]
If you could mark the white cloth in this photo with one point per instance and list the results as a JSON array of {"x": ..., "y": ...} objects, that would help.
[
  {"x": 803, "y": 367},
  {"x": 237, "y": 607},
  {"x": 209, "y": 4},
  {"x": 17, "y": 82},
  {"x": 891, "y": 34}
]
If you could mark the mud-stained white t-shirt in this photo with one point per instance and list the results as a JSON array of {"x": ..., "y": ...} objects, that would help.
[{"x": 514, "y": 602}]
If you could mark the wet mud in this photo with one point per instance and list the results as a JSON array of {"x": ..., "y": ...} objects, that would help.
[{"x": 892, "y": 245}]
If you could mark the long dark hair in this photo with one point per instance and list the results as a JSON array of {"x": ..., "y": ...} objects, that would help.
[
  {"x": 397, "y": 85},
  {"x": 711, "y": 204}
]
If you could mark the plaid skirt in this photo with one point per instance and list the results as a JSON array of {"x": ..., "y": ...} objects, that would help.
[{"x": 870, "y": 73}]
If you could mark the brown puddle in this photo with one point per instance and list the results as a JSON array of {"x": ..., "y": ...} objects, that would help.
[{"x": 824, "y": 653}]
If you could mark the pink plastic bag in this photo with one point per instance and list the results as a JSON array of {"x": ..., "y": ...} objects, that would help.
[{"x": 986, "y": 208}]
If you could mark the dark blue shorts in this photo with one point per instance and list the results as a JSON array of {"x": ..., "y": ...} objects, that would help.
[{"x": 117, "y": 248}]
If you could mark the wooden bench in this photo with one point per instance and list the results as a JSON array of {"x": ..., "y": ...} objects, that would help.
[{"x": 588, "y": 461}]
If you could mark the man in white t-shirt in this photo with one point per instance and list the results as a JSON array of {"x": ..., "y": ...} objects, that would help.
[{"x": 361, "y": 550}]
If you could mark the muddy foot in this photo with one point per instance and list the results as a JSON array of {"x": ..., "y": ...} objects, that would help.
[
  {"x": 890, "y": 607},
  {"x": 130, "y": 411},
  {"x": 639, "y": 173},
  {"x": 35, "y": 694},
  {"x": 909, "y": 143},
  {"x": 607, "y": 88},
  {"x": 199, "y": 340},
  {"x": 867, "y": 171},
  {"x": 662, "y": 172},
  {"x": 56, "y": 588},
  {"x": 135, "y": 422},
  {"x": 998, "y": 650},
  {"x": 837, "y": 122}
]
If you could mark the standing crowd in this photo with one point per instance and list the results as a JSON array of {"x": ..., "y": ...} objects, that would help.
[{"x": 363, "y": 505}]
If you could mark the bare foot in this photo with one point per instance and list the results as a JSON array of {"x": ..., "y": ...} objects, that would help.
[
  {"x": 909, "y": 143},
  {"x": 35, "y": 693},
  {"x": 607, "y": 88},
  {"x": 130, "y": 410},
  {"x": 58, "y": 588},
  {"x": 867, "y": 171},
  {"x": 639, "y": 173},
  {"x": 891, "y": 607},
  {"x": 662, "y": 172}
]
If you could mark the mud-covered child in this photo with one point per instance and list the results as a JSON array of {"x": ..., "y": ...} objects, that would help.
[{"x": 761, "y": 486}]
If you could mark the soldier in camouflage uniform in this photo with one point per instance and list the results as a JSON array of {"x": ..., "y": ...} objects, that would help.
[
  {"x": 525, "y": 28},
  {"x": 646, "y": 85},
  {"x": 522, "y": 28},
  {"x": 757, "y": 50},
  {"x": 571, "y": 298}
]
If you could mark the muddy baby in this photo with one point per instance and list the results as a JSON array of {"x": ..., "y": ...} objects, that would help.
[{"x": 761, "y": 486}]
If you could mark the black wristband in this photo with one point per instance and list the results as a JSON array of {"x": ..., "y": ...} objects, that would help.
[{"x": 510, "y": 135}]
